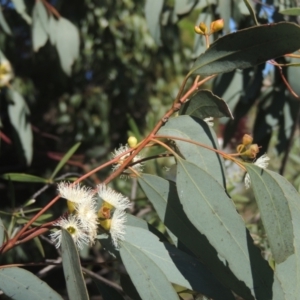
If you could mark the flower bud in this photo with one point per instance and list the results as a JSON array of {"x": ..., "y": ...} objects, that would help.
[
  {"x": 203, "y": 28},
  {"x": 240, "y": 148},
  {"x": 253, "y": 149},
  {"x": 132, "y": 141},
  {"x": 198, "y": 30},
  {"x": 216, "y": 26},
  {"x": 247, "y": 139}
]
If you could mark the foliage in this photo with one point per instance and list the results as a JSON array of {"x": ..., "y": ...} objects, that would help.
[{"x": 194, "y": 242}]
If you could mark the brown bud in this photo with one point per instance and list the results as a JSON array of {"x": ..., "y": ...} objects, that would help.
[
  {"x": 216, "y": 26},
  {"x": 253, "y": 149},
  {"x": 247, "y": 139},
  {"x": 203, "y": 28}
]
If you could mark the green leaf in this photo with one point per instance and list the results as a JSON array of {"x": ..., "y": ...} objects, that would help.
[
  {"x": 18, "y": 112},
  {"x": 52, "y": 30},
  {"x": 194, "y": 129},
  {"x": 149, "y": 280},
  {"x": 39, "y": 26},
  {"x": 4, "y": 24},
  {"x": 178, "y": 267},
  {"x": 64, "y": 160},
  {"x": 183, "y": 7},
  {"x": 271, "y": 197},
  {"x": 163, "y": 196},
  {"x": 288, "y": 272},
  {"x": 229, "y": 87},
  {"x": 153, "y": 9},
  {"x": 39, "y": 245},
  {"x": 23, "y": 177},
  {"x": 67, "y": 44},
  {"x": 294, "y": 11},
  {"x": 21, "y": 9},
  {"x": 205, "y": 104},
  {"x": 248, "y": 47},
  {"x": 20, "y": 284},
  {"x": 2, "y": 233},
  {"x": 72, "y": 269},
  {"x": 212, "y": 212}
]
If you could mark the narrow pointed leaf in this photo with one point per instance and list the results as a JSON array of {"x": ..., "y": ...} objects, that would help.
[
  {"x": 67, "y": 43},
  {"x": 248, "y": 47},
  {"x": 23, "y": 177},
  {"x": 178, "y": 267},
  {"x": 72, "y": 269},
  {"x": 18, "y": 112},
  {"x": 21, "y": 9},
  {"x": 153, "y": 9},
  {"x": 64, "y": 160},
  {"x": 212, "y": 212},
  {"x": 205, "y": 104},
  {"x": 288, "y": 272},
  {"x": 39, "y": 27},
  {"x": 194, "y": 129},
  {"x": 4, "y": 24},
  {"x": 2, "y": 233},
  {"x": 18, "y": 283},
  {"x": 272, "y": 201},
  {"x": 163, "y": 196},
  {"x": 295, "y": 11},
  {"x": 149, "y": 280}
]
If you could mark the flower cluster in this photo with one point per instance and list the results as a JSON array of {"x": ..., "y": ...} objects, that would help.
[
  {"x": 82, "y": 220},
  {"x": 137, "y": 167},
  {"x": 112, "y": 216}
]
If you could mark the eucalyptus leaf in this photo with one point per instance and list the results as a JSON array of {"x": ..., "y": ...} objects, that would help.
[
  {"x": 67, "y": 43},
  {"x": 272, "y": 200},
  {"x": 153, "y": 9},
  {"x": 23, "y": 177},
  {"x": 4, "y": 24},
  {"x": 194, "y": 129},
  {"x": 178, "y": 267},
  {"x": 65, "y": 158},
  {"x": 2, "y": 233},
  {"x": 205, "y": 104},
  {"x": 72, "y": 269},
  {"x": 20, "y": 284},
  {"x": 149, "y": 280},
  {"x": 21, "y": 9},
  {"x": 163, "y": 196},
  {"x": 212, "y": 212},
  {"x": 18, "y": 112},
  {"x": 294, "y": 11},
  {"x": 39, "y": 26},
  {"x": 248, "y": 47},
  {"x": 53, "y": 30}
]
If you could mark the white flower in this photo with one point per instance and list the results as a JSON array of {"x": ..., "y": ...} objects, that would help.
[
  {"x": 209, "y": 121},
  {"x": 138, "y": 167},
  {"x": 76, "y": 193},
  {"x": 117, "y": 200},
  {"x": 87, "y": 215},
  {"x": 261, "y": 162},
  {"x": 117, "y": 227},
  {"x": 6, "y": 72},
  {"x": 73, "y": 225}
]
